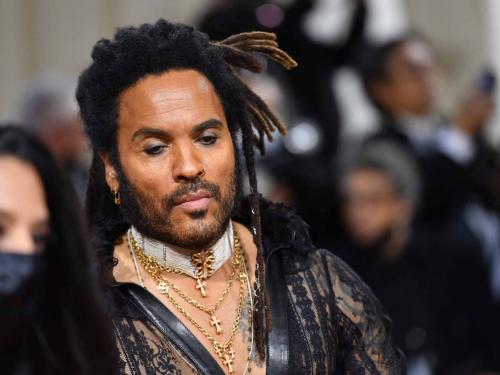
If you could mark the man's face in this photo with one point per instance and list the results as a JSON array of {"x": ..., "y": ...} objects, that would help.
[
  {"x": 177, "y": 162},
  {"x": 371, "y": 206},
  {"x": 410, "y": 85}
]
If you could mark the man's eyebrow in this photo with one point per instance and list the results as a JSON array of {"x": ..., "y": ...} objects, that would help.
[
  {"x": 209, "y": 124},
  {"x": 149, "y": 132}
]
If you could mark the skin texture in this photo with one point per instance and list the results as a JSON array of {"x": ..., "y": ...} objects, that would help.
[
  {"x": 410, "y": 85},
  {"x": 24, "y": 216},
  {"x": 373, "y": 208},
  {"x": 173, "y": 142},
  {"x": 164, "y": 153}
]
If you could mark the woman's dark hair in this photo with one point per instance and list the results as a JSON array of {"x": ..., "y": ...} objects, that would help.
[
  {"x": 72, "y": 332},
  {"x": 136, "y": 52}
]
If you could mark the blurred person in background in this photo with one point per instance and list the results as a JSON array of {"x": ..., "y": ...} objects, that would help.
[
  {"x": 400, "y": 79},
  {"x": 434, "y": 287},
  {"x": 48, "y": 108},
  {"x": 460, "y": 170},
  {"x": 51, "y": 317}
]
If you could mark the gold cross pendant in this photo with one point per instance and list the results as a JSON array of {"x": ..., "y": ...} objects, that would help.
[
  {"x": 203, "y": 263},
  {"x": 228, "y": 362},
  {"x": 214, "y": 322},
  {"x": 200, "y": 285}
]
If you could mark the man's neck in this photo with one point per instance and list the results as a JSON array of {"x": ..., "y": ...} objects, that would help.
[{"x": 180, "y": 258}]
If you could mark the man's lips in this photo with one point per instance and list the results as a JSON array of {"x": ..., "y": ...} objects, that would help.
[{"x": 197, "y": 200}]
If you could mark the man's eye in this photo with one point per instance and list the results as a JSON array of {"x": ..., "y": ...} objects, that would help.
[
  {"x": 154, "y": 150},
  {"x": 208, "y": 139}
]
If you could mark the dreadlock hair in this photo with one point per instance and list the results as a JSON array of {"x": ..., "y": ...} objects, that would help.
[{"x": 151, "y": 49}]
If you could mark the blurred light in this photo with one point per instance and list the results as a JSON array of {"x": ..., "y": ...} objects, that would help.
[
  {"x": 270, "y": 15},
  {"x": 387, "y": 20},
  {"x": 328, "y": 22},
  {"x": 304, "y": 138}
]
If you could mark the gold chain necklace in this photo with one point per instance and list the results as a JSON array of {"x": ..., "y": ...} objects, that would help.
[
  {"x": 225, "y": 351},
  {"x": 154, "y": 267}
]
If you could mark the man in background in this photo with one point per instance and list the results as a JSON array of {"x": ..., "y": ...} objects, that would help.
[
  {"x": 422, "y": 277},
  {"x": 400, "y": 79}
]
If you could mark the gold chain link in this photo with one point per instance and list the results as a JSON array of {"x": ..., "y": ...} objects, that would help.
[{"x": 154, "y": 268}]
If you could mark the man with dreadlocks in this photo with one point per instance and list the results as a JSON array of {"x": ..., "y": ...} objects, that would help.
[{"x": 206, "y": 281}]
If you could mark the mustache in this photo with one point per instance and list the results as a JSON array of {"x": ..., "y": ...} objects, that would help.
[{"x": 173, "y": 198}]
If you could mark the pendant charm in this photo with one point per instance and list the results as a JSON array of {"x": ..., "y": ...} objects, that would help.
[
  {"x": 200, "y": 285},
  {"x": 203, "y": 263},
  {"x": 228, "y": 362},
  {"x": 243, "y": 277},
  {"x": 214, "y": 322},
  {"x": 163, "y": 287}
]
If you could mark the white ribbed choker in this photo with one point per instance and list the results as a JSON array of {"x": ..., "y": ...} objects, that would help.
[{"x": 167, "y": 255}]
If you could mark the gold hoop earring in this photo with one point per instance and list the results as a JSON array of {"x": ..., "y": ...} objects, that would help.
[{"x": 116, "y": 195}]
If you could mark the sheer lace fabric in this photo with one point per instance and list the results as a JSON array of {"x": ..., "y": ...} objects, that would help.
[
  {"x": 336, "y": 326},
  {"x": 335, "y": 323}
]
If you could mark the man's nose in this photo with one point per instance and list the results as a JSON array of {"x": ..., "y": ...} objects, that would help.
[{"x": 187, "y": 165}]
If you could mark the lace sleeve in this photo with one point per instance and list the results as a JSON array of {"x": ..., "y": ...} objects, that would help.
[{"x": 366, "y": 330}]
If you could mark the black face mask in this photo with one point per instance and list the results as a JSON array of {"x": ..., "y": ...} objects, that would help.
[{"x": 21, "y": 285}]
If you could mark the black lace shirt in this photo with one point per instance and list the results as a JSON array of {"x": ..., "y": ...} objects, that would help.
[{"x": 325, "y": 319}]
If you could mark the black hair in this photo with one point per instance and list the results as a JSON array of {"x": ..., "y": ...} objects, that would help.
[
  {"x": 73, "y": 333},
  {"x": 150, "y": 49}
]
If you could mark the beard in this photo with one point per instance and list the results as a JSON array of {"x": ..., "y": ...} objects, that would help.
[{"x": 141, "y": 210}]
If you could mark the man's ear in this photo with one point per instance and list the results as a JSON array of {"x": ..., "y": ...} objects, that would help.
[{"x": 109, "y": 169}]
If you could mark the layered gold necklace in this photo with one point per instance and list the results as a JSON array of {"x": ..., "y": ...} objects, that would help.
[{"x": 203, "y": 264}]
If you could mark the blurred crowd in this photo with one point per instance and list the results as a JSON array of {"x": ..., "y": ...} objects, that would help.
[{"x": 412, "y": 203}]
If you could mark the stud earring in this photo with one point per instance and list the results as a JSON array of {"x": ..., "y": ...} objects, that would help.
[{"x": 116, "y": 195}]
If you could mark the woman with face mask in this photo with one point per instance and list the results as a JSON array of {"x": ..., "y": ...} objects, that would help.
[{"x": 51, "y": 316}]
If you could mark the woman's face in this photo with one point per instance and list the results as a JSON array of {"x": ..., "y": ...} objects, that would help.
[{"x": 24, "y": 216}]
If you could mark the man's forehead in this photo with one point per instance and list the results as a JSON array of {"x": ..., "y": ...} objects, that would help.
[
  {"x": 176, "y": 84},
  {"x": 171, "y": 91}
]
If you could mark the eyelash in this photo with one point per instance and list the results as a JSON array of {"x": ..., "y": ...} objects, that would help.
[
  {"x": 208, "y": 140},
  {"x": 154, "y": 150}
]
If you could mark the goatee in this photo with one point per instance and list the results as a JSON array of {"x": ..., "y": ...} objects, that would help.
[{"x": 140, "y": 210}]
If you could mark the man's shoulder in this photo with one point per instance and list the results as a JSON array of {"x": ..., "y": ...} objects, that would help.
[
  {"x": 342, "y": 278},
  {"x": 284, "y": 230},
  {"x": 281, "y": 226}
]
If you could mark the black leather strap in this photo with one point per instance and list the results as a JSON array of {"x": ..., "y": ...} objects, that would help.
[
  {"x": 171, "y": 327},
  {"x": 277, "y": 343}
]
